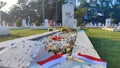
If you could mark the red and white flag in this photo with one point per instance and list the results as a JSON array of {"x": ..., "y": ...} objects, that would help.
[{"x": 47, "y": 63}]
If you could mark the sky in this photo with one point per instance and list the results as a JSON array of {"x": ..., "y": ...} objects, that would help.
[{"x": 9, "y": 4}]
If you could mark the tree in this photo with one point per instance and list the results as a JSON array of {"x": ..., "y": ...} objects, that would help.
[
  {"x": 37, "y": 9},
  {"x": 19, "y": 22},
  {"x": 2, "y": 4},
  {"x": 79, "y": 14},
  {"x": 95, "y": 7}
]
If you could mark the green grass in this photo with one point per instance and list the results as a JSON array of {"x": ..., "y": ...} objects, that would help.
[
  {"x": 20, "y": 33},
  {"x": 107, "y": 45}
]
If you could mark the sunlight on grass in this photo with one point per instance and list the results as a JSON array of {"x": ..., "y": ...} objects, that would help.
[{"x": 107, "y": 45}]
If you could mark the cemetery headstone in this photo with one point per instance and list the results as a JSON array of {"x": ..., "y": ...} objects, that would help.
[
  {"x": 3, "y": 23},
  {"x": 75, "y": 23},
  {"x": 28, "y": 24},
  {"x": 115, "y": 25},
  {"x": 95, "y": 25},
  {"x": 99, "y": 24},
  {"x": 46, "y": 23},
  {"x": 91, "y": 24},
  {"x": 87, "y": 24},
  {"x": 108, "y": 22},
  {"x": 60, "y": 24},
  {"x": 118, "y": 26},
  {"x": 24, "y": 23},
  {"x": 103, "y": 25},
  {"x": 34, "y": 25},
  {"x": 68, "y": 15},
  {"x": 14, "y": 24}
]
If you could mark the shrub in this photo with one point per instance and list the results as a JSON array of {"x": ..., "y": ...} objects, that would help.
[
  {"x": 19, "y": 22},
  {"x": 37, "y": 23}
]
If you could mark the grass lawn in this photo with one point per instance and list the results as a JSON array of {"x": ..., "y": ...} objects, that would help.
[
  {"x": 107, "y": 45},
  {"x": 20, "y": 33}
]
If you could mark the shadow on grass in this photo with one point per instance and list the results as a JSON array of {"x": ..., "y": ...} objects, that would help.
[{"x": 108, "y": 50}]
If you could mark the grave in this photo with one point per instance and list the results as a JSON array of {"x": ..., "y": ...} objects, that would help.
[
  {"x": 99, "y": 24},
  {"x": 3, "y": 23},
  {"x": 96, "y": 25},
  {"x": 90, "y": 25},
  {"x": 45, "y": 26},
  {"x": 25, "y": 52},
  {"x": 24, "y": 24},
  {"x": 118, "y": 26},
  {"x": 4, "y": 30},
  {"x": 68, "y": 15},
  {"x": 109, "y": 27},
  {"x": 108, "y": 22}
]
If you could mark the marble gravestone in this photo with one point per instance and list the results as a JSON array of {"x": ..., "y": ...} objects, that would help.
[
  {"x": 95, "y": 25},
  {"x": 118, "y": 25},
  {"x": 3, "y": 29},
  {"x": 75, "y": 23},
  {"x": 108, "y": 22},
  {"x": 33, "y": 25},
  {"x": 15, "y": 25},
  {"x": 24, "y": 24},
  {"x": 87, "y": 24},
  {"x": 68, "y": 15},
  {"x": 115, "y": 25},
  {"x": 99, "y": 24},
  {"x": 46, "y": 23},
  {"x": 3, "y": 23},
  {"x": 91, "y": 24}
]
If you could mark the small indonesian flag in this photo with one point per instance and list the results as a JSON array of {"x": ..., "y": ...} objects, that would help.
[{"x": 47, "y": 63}]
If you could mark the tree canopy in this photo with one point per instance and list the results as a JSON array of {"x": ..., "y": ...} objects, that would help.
[
  {"x": 34, "y": 10},
  {"x": 98, "y": 11}
]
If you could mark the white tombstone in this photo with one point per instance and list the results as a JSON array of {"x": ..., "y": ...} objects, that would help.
[
  {"x": 60, "y": 24},
  {"x": 95, "y": 25},
  {"x": 108, "y": 22},
  {"x": 24, "y": 23},
  {"x": 99, "y": 24},
  {"x": 115, "y": 25},
  {"x": 4, "y": 31},
  {"x": 103, "y": 25},
  {"x": 34, "y": 25},
  {"x": 28, "y": 24},
  {"x": 91, "y": 24},
  {"x": 68, "y": 15},
  {"x": 14, "y": 24},
  {"x": 118, "y": 26},
  {"x": 3, "y": 23},
  {"x": 46, "y": 23},
  {"x": 75, "y": 24}
]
